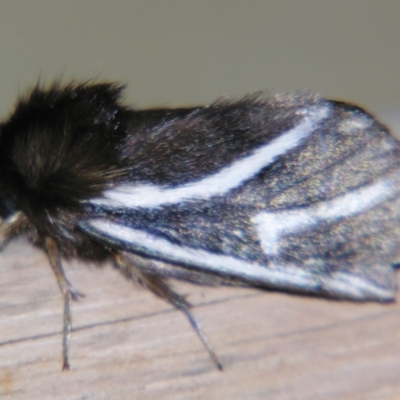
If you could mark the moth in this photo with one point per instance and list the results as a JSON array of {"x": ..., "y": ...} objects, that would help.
[{"x": 282, "y": 192}]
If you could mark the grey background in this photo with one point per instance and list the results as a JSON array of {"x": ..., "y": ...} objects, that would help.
[{"x": 184, "y": 52}]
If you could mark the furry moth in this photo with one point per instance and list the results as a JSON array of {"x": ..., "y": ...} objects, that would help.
[{"x": 287, "y": 192}]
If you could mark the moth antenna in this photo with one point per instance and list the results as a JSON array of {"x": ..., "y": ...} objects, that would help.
[
  {"x": 136, "y": 268},
  {"x": 68, "y": 292}
]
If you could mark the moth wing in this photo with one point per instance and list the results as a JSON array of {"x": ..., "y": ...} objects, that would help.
[{"x": 311, "y": 209}]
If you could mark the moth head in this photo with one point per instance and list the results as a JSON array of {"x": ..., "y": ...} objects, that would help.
[{"x": 58, "y": 148}]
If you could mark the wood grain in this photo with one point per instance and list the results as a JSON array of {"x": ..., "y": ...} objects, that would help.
[{"x": 127, "y": 344}]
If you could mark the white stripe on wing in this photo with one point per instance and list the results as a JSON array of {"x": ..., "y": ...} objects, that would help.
[{"x": 220, "y": 183}]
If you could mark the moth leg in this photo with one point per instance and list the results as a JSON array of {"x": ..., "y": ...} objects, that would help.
[
  {"x": 157, "y": 285},
  {"x": 68, "y": 292},
  {"x": 11, "y": 226}
]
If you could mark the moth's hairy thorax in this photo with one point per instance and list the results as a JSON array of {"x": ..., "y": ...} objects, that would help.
[{"x": 57, "y": 151}]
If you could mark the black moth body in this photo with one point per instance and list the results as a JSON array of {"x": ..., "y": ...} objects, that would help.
[{"x": 287, "y": 192}]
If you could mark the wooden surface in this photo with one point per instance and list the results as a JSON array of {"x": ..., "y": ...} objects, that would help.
[{"x": 127, "y": 344}]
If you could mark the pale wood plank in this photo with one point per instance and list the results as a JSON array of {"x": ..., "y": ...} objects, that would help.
[{"x": 127, "y": 344}]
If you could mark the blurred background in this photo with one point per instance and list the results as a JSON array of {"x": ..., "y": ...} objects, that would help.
[{"x": 188, "y": 52}]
